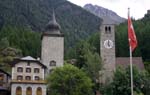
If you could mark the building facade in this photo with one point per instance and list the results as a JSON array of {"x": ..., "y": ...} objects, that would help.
[{"x": 28, "y": 77}]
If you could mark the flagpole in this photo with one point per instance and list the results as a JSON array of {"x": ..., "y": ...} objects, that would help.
[
  {"x": 131, "y": 71},
  {"x": 131, "y": 67}
]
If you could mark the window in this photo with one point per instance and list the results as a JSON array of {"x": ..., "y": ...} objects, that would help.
[
  {"x": 52, "y": 63},
  {"x": 36, "y": 78},
  {"x": 1, "y": 77},
  {"x": 36, "y": 70},
  {"x": 19, "y": 77},
  {"x": 28, "y": 64},
  {"x": 19, "y": 69},
  {"x": 109, "y": 29},
  {"x": 29, "y": 91},
  {"x": 39, "y": 91},
  {"x": 18, "y": 91},
  {"x": 28, "y": 70},
  {"x": 28, "y": 78}
]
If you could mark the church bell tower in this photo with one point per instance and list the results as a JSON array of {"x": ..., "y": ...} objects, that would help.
[
  {"x": 107, "y": 48},
  {"x": 52, "y": 49}
]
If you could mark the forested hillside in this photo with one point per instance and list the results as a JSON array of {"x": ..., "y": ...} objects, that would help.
[{"x": 76, "y": 23}]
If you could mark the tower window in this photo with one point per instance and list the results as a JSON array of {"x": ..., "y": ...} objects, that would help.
[
  {"x": 52, "y": 63},
  {"x": 106, "y": 29},
  {"x": 109, "y": 29},
  {"x": 19, "y": 69}
]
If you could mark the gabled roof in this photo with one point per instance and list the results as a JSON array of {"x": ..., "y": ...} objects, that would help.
[
  {"x": 27, "y": 59},
  {"x": 125, "y": 62}
]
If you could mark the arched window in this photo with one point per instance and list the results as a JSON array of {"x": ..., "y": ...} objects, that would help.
[
  {"x": 39, "y": 91},
  {"x": 18, "y": 91},
  {"x": 109, "y": 29},
  {"x": 106, "y": 29},
  {"x": 29, "y": 91},
  {"x": 52, "y": 63}
]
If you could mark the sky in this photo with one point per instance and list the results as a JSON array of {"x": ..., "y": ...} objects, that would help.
[{"x": 137, "y": 7}]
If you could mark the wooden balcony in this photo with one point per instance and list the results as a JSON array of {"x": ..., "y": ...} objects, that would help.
[{"x": 29, "y": 81}]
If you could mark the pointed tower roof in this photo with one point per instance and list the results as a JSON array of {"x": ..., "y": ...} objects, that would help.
[{"x": 53, "y": 27}]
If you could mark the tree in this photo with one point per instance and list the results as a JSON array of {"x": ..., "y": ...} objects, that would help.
[
  {"x": 121, "y": 83},
  {"x": 92, "y": 66},
  {"x": 69, "y": 80}
]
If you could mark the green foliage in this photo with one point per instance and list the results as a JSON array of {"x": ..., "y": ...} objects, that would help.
[
  {"x": 76, "y": 23},
  {"x": 87, "y": 58},
  {"x": 121, "y": 82},
  {"x": 69, "y": 80},
  {"x": 147, "y": 66},
  {"x": 21, "y": 38}
]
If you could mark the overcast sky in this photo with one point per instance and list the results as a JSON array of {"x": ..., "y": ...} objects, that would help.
[{"x": 137, "y": 7}]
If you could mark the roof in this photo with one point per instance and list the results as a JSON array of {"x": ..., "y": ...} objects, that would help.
[
  {"x": 108, "y": 21},
  {"x": 27, "y": 59},
  {"x": 125, "y": 62},
  {"x": 5, "y": 72},
  {"x": 52, "y": 27}
]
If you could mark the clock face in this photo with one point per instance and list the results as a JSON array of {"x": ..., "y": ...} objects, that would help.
[{"x": 108, "y": 44}]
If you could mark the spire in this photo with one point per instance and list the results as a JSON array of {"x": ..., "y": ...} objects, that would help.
[{"x": 53, "y": 27}]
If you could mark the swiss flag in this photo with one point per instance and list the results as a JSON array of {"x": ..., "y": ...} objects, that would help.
[{"x": 131, "y": 35}]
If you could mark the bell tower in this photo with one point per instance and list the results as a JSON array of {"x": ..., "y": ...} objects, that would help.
[
  {"x": 107, "y": 48},
  {"x": 52, "y": 49}
]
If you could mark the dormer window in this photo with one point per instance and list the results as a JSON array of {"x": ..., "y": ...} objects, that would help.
[
  {"x": 52, "y": 63},
  {"x": 28, "y": 64},
  {"x": 19, "y": 69}
]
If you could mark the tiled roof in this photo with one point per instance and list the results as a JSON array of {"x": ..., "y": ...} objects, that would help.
[{"x": 125, "y": 61}]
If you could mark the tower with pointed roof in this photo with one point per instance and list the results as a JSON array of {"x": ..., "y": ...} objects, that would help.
[
  {"x": 107, "y": 48},
  {"x": 52, "y": 49}
]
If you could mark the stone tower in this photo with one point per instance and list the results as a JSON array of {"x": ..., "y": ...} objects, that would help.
[
  {"x": 107, "y": 48},
  {"x": 52, "y": 49}
]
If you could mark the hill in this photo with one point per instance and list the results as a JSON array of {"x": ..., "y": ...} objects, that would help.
[
  {"x": 104, "y": 13},
  {"x": 76, "y": 23}
]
